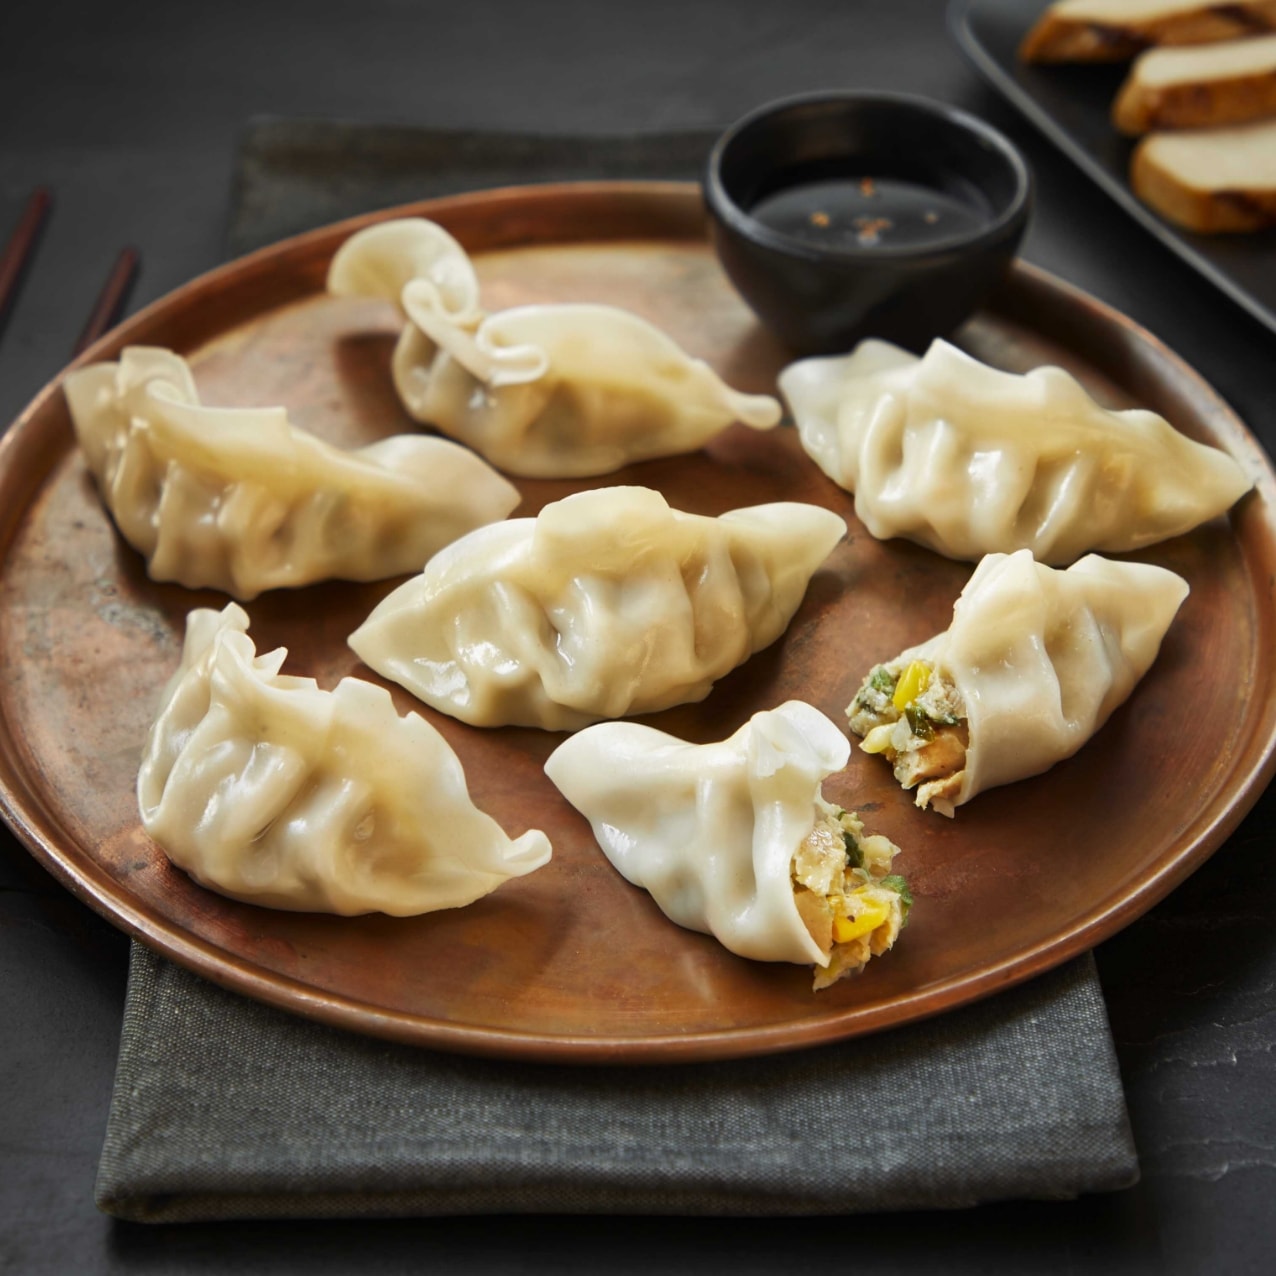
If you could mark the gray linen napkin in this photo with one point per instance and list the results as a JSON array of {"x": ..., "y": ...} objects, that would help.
[{"x": 224, "y": 1108}]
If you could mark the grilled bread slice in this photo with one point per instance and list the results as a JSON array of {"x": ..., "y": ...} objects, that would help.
[
  {"x": 1199, "y": 87},
  {"x": 1210, "y": 180},
  {"x": 1115, "y": 30}
]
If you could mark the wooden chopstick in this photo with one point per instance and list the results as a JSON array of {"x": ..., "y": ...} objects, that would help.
[
  {"x": 21, "y": 247},
  {"x": 111, "y": 300}
]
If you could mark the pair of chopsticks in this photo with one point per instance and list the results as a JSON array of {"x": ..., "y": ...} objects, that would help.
[{"x": 17, "y": 256}]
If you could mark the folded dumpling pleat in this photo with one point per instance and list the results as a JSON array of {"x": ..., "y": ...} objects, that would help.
[
  {"x": 608, "y": 603},
  {"x": 267, "y": 789},
  {"x": 1033, "y": 664},
  {"x": 968, "y": 460},
  {"x": 238, "y": 499},
  {"x": 546, "y": 391},
  {"x": 735, "y": 838},
  {"x": 381, "y": 260}
]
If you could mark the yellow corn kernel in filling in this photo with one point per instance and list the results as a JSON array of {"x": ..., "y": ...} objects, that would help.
[
  {"x": 912, "y": 683},
  {"x": 847, "y": 928}
]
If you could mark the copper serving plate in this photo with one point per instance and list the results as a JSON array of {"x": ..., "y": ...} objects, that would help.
[{"x": 571, "y": 963}]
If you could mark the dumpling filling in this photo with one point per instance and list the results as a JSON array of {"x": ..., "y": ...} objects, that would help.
[
  {"x": 912, "y": 714},
  {"x": 848, "y": 899}
]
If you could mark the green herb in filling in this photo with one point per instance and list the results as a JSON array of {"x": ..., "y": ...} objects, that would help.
[
  {"x": 854, "y": 856},
  {"x": 897, "y": 884},
  {"x": 881, "y": 680},
  {"x": 919, "y": 723}
]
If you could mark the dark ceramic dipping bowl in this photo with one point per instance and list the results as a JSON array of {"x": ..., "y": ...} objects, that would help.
[{"x": 846, "y": 215}]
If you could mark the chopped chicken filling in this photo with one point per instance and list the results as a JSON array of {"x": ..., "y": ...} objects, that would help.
[
  {"x": 848, "y": 899},
  {"x": 914, "y": 716}
]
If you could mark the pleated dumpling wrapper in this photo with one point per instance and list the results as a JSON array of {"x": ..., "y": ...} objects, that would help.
[
  {"x": 267, "y": 789},
  {"x": 735, "y": 838},
  {"x": 968, "y": 460},
  {"x": 608, "y": 603},
  {"x": 1034, "y": 662},
  {"x": 545, "y": 391},
  {"x": 240, "y": 500}
]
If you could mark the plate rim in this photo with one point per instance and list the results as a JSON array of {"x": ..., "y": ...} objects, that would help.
[{"x": 90, "y": 883}]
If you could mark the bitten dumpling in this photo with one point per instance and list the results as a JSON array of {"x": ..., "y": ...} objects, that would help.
[
  {"x": 267, "y": 789},
  {"x": 1034, "y": 662},
  {"x": 967, "y": 460},
  {"x": 238, "y": 499},
  {"x": 546, "y": 391},
  {"x": 736, "y": 839},
  {"x": 608, "y": 603}
]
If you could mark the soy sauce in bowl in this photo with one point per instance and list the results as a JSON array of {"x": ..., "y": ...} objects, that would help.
[{"x": 868, "y": 212}]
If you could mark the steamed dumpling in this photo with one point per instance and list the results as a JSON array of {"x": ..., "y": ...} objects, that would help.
[
  {"x": 967, "y": 460},
  {"x": 267, "y": 789},
  {"x": 1034, "y": 662},
  {"x": 736, "y": 839},
  {"x": 547, "y": 391},
  {"x": 238, "y": 499},
  {"x": 608, "y": 603}
]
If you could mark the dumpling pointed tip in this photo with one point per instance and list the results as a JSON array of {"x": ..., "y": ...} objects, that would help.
[
  {"x": 757, "y": 411},
  {"x": 527, "y": 853}
]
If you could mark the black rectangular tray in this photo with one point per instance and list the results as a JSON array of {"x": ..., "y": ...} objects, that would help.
[{"x": 1070, "y": 103}]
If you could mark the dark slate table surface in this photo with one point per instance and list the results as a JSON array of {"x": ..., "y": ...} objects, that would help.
[{"x": 130, "y": 112}]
